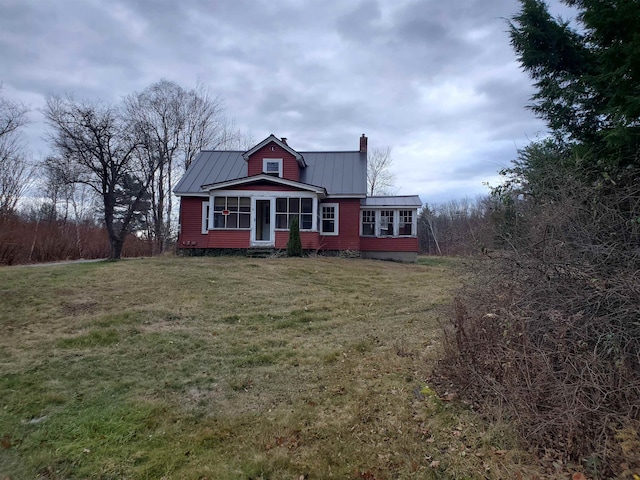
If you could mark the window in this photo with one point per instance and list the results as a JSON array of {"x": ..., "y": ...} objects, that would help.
[
  {"x": 368, "y": 223},
  {"x": 383, "y": 223},
  {"x": 306, "y": 213},
  {"x": 405, "y": 223},
  {"x": 272, "y": 166},
  {"x": 205, "y": 217},
  {"x": 329, "y": 219},
  {"x": 386, "y": 223},
  {"x": 289, "y": 208},
  {"x": 231, "y": 212}
]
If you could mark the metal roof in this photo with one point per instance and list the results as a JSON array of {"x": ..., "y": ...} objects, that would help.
[
  {"x": 392, "y": 201},
  {"x": 211, "y": 167},
  {"x": 340, "y": 173}
]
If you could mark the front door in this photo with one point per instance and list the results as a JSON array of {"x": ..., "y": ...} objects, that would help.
[{"x": 262, "y": 231}]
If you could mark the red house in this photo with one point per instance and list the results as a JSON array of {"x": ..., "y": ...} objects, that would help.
[{"x": 245, "y": 200}]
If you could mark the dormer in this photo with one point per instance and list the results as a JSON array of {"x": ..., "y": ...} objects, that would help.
[{"x": 274, "y": 157}]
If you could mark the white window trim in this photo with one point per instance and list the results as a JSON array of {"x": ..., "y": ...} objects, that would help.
[
  {"x": 206, "y": 217},
  {"x": 396, "y": 222},
  {"x": 271, "y": 160},
  {"x": 260, "y": 194},
  {"x": 212, "y": 210},
  {"x": 413, "y": 222},
  {"x": 375, "y": 216},
  {"x": 379, "y": 223},
  {"x": 314, "y": 209},
  {"x": 336, "y": 207},
  {"x": 272, "y": 213}
]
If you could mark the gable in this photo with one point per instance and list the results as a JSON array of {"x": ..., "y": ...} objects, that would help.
[
  {"x": 282, "y": 143},
  {"x": 272, "y": 151}
]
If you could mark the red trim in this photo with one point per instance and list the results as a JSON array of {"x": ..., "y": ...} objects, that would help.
[{"x": 267, "y": 187}]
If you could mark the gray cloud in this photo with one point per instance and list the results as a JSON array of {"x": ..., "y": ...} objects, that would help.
[{"x": 436, "y": 81}]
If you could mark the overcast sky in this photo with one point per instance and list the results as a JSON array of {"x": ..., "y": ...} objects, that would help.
[{"x": 435, "y": 80}]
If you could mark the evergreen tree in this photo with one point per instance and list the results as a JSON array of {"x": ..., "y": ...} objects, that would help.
[
  {"x": 587, "y": 78},
  {"x": 294, "y": 245}
]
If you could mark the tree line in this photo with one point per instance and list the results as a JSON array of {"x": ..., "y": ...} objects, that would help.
[
  {"x": 112, "y": 164},
  {"x": 457, "y": 227}
]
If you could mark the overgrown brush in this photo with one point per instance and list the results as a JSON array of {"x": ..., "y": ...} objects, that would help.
[
  {"x": 23, "y": 241},
  {"x": 548, "y": 329}
]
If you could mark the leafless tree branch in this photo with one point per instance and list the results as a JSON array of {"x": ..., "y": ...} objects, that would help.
[{"x": 380, "y": 178}]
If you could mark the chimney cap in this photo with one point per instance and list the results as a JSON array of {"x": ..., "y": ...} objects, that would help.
[{"x": 284, "y": 140}]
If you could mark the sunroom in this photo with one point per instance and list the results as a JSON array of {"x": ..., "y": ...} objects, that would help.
[{"x": 263, "y": 207}]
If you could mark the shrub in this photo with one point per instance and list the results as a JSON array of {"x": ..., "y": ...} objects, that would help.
[
  {"x": 547, "y": 331},
  {"x": 294, "y": 245}
]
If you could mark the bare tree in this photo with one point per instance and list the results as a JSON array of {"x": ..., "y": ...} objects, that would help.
[
  {"x": 380, "y": 178},
  {"x": 456, "y": 227},
  {"x": 175, "y": 124},
  {"x": 158, "y": 114},
  {"x": 206, "y": 126},
  {"x": 68, "y": 197},
  {"x": 15, "y": 171},
  {"x": 428, "y": 221},
  {"x": 95, "y": 139}
]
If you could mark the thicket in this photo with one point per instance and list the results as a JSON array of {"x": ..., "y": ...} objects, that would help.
[
  {"x": 547, "y": 330},
  {"x": 24, "y": 240},
  {"x": 457, "y": 227}
]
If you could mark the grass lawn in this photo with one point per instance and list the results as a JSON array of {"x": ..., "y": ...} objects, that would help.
[{"x": 234, "y": 368}]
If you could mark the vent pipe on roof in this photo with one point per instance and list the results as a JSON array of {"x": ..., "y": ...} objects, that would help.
[
  {"x": 363, "y": 144},
  {"x": 284, "y": 140}
]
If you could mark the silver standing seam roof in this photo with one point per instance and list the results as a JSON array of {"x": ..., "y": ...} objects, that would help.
[
  {"x": 392, "y": 201},
  {"x": 340, "y": 173}
]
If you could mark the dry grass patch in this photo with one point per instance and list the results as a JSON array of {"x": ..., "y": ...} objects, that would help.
[{"x": 232, "y": 368}]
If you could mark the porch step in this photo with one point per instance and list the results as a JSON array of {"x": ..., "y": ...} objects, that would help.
[{"x": 259, "y": 252}]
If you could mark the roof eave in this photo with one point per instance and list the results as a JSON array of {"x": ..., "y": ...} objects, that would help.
[
  {"x": 263, "y": 177},
  {"x": 347, "y": 195}
]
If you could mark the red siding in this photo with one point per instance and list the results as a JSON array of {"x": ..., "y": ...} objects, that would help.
[
  {"x": 400, "y": 244},
  {"x": 290, "y": 166},
  {"x": 191, "y": 223},
  {"x": 309, "y": 240},
  {"x": 348, "y": 237},
  {"x": 229, "y": 239}
]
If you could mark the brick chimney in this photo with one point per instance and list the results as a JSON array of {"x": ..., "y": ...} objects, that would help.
[
  {"x": 363, "y": 144},
  {"x": 284, "y": 140}
]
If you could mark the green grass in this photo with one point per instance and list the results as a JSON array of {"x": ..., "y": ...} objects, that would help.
[{"x": 233, "y": 368}]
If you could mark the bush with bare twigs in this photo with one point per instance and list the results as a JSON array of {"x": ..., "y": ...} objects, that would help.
[
  {"x": 548, "y": 328},
  {"x": 36, "y": 241}
]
